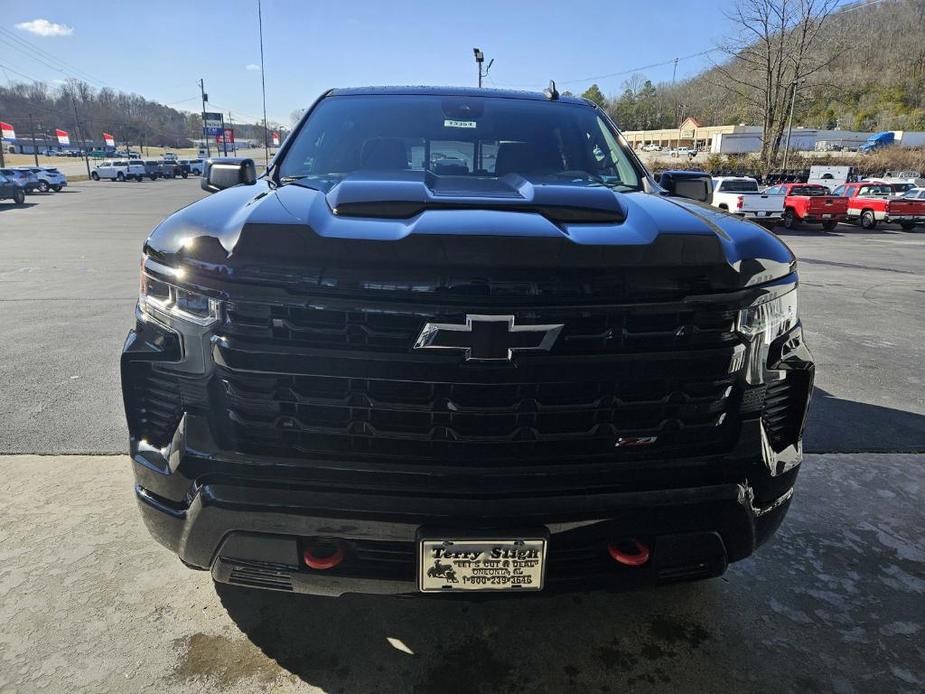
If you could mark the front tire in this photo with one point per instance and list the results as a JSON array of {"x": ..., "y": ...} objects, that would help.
[
  {"x": 907, "y": 226},
  {"x": 790, "y": 219},
  {"x": 95, "y": 176},
  {"x": 43, "y": 186},
  {"x": 184, "y": 174},
  {"x": 868, "y": 220},
  {"x": 19, "y": 197}
]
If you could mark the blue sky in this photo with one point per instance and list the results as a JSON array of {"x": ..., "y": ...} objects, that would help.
[{"x": 160, "y": 49}]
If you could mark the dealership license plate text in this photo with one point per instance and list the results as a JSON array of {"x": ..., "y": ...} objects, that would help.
[{"x": 480, "y": 564}]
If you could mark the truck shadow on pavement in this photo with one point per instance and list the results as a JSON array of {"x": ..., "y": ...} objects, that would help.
[
  {"x": 839, "y": 582},
  {"x": 839, "y": 426},
  {"x": 434, "y": 644}
]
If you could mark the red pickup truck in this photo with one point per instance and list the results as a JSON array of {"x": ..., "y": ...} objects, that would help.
[
  {"x": 811, "y": 204},
  {"x": 870, "y": 203}
]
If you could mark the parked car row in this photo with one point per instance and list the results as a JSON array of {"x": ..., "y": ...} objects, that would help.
[
  {"x": 865, "y": 203},
  {"x": 139, "y": 169}
]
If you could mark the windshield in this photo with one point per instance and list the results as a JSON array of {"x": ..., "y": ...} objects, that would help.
[{"x": 461, "y": 136}]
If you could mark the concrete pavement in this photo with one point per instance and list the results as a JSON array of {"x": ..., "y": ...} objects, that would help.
[{"x": 90, "y": 603}]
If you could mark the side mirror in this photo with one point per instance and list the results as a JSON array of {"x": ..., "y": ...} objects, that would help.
[
  {"x": 225, "y": 173},
  {"x": 695, "y": 185}
]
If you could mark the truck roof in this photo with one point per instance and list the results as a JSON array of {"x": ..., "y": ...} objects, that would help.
[{"x": 454, "y": 91}]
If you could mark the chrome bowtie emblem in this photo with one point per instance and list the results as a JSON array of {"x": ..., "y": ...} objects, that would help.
[{"x": 488, "y": 338}]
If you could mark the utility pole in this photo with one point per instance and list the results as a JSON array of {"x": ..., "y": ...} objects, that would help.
[
  {"x": 793, "y": 100},
  {"x": 479, "y": 59},
  {"x": 263, "y": 85},
  {"x": 79, "y": 139},
  {"x": 205, "y": 98},
  {"x": 224, "y": 139},
  {"x": 35, "y": 151}
]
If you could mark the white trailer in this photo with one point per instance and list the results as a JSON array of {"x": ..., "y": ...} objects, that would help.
[
  {"x": 829, "y": 176},
  {"x": 736, "y": 143}
]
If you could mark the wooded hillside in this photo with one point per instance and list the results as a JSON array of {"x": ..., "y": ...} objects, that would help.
[
  {"x": 873, "y": 79},
  {"x": 128, "y": 117}
]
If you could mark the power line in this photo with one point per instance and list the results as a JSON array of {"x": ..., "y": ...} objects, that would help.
[
  {"x": 39, "y": 52},
  {"x": 642, "y": 67}
]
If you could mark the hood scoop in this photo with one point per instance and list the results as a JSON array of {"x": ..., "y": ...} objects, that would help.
[{"x": 404, "y": 197}]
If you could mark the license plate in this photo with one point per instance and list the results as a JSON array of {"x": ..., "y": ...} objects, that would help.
[
  {"x": 827, "y": 216},
  {"x": 485, "y": 564}
]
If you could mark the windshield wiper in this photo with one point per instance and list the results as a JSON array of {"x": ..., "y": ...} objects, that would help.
[
  {"x": 593, "y": 178},
  {"x": 284, "y": 180}
]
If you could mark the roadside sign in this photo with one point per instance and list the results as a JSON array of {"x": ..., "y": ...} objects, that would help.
[
  {"x": 212, "y": 124},
  {"x": 229, "y": 135},
  {"x": 6, "y": 131}
]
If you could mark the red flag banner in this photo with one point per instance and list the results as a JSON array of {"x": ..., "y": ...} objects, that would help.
[
  {"x": 109, "y": 140},
  {"x": 6, "y": 131},
  {"x": 63, "y": 137},
  {"x": 276, "y": 139}
]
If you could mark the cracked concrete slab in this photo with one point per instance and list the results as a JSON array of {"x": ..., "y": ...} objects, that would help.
[{"x": 89, "y": 602}]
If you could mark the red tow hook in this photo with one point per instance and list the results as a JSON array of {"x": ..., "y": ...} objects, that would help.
[
  {"x": 323, "y": 555},
  {"x": 638, "y": 557}
]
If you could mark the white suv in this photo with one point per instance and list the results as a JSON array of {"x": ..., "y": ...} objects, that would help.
[
  {"x": 49, "y": 177},
  {"x": 119, "y": 170}
]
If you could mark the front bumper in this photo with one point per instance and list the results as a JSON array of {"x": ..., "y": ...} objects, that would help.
[{"x": 216, "y": 510}]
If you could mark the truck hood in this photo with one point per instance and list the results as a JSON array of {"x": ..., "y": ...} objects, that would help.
[{"x": 512, "y": 236}]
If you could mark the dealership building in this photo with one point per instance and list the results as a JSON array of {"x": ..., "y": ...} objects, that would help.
[{"x": 744, "y": 139}]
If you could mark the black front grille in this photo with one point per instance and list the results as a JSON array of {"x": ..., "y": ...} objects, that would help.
[
  {"x": 648, "y": 381},
  {"x": 588, "y": 330}
]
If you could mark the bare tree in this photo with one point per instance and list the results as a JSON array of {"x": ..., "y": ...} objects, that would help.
[
  {"x": 296, "y": 116},
  {"x": 777, "y": 49}
]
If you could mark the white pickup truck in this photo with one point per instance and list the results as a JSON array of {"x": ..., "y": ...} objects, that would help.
[
  {"x": 741, "y": 196},
  {"x": 119, "y": 170}
]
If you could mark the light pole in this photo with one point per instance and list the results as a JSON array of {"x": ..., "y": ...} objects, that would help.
[
  {"x": 479, "y": 59},
  {"x": 793, "y": 100},
  {"x": 263, "y": 89}
]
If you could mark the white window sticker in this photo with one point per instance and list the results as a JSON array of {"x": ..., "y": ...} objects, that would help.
[{"x": 458, "y": 123}]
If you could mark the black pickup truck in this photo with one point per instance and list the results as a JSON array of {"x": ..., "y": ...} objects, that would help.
[{"x": 460, "y": 340}]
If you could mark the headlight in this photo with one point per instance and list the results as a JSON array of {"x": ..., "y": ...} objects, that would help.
[
  {"x": 160, "y": 299},
  {"x": 772, "y": 318}
]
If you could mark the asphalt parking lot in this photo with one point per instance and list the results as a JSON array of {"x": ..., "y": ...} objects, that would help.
[{"x": 90, "y": 603}]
